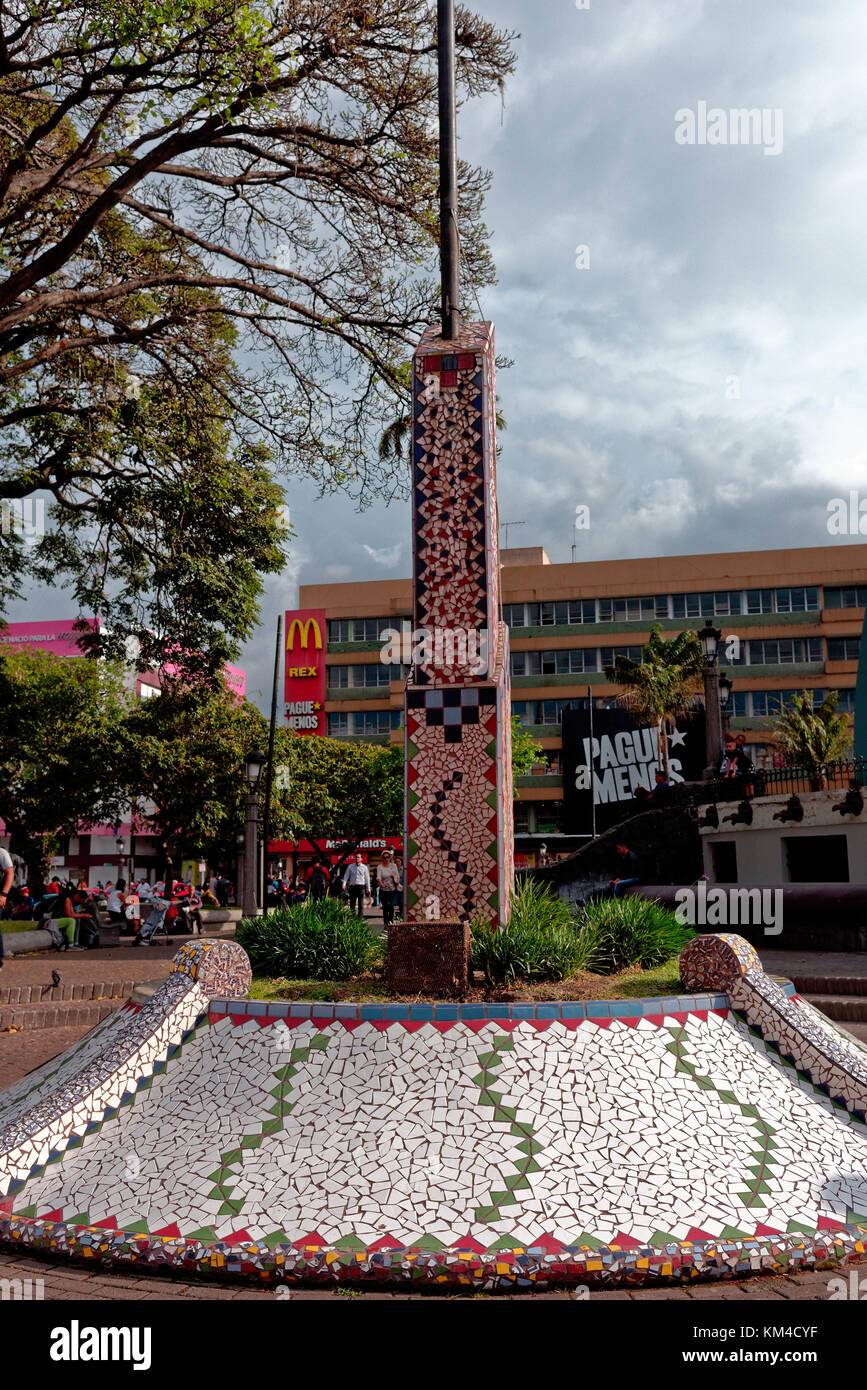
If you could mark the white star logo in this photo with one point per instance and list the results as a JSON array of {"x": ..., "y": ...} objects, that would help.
[{"x": 677, "y": 737}]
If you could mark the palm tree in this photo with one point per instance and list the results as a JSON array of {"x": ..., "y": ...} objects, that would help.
[
  {"x": 811, "y": 734},
  {"x": 662, "y": 685}
]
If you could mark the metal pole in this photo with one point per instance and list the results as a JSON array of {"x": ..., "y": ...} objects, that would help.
[
  {"x": 251, "y": 837},
  {"x": 590, "y": 767},
  {"x": 713, "y": 721},
  {"x": 449, "y": 242},
  {"x": 269, "y": 772}
]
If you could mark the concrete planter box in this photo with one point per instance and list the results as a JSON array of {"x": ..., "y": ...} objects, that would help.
[{"x": 428, "y": 958}]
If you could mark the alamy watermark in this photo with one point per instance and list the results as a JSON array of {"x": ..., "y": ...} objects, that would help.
[
  {"x": 464, "y": 649},
  {"x": 23, "y": 517},
  {"x": 22, "y": 1290},
  {"x": 716, "y": 125},
  {"x": 705, "y": 906},
  {"x": 847, "y": 516}
]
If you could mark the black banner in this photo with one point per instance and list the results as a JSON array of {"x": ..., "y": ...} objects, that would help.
[{"x": 618, "y": 759}]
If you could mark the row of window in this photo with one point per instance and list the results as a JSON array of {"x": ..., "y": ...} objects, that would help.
[
  {"x": 852, "y": 596},
  {"x": 725, "y": 603},
  {"x": 364, "y": 676},
  {"x": 360, "y": 629},
  {"x": 645, "y": 608},
  {"x": 764, "y": 652},
  {"x": 364, "y": 721},
  {"x": 765, "y": 704}
]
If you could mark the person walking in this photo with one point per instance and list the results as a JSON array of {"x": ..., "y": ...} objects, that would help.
[
  {"x": 317, "y": 883},
  {"x": 388, "y": 883},
  {"x": 7, "y": 878},
  {"x": 356, "y": 881}
]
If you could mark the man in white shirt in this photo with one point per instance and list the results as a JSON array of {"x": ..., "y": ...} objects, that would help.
[
  {"x": 356, "y": 881},
  {"x": 7, "y": 877}
]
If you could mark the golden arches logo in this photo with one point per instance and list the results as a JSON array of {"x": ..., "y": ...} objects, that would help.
[{"x": 304, "y": 626}]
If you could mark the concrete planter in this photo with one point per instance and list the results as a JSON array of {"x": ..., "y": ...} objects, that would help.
[{"x": 428, "y": 958}]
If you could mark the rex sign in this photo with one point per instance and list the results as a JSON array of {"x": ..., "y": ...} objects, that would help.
[{"x": 305, "y": 670}]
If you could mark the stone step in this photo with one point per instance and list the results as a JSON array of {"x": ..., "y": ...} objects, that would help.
[
  {"x": 64, "y": 1014},
  {"x": 829, "y": 984},
  {"x": 841, "y": 1007},
  {"x": 62, "y": 993}
]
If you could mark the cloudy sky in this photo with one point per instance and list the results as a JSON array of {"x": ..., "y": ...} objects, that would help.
[{"x": 701, "y": 385}]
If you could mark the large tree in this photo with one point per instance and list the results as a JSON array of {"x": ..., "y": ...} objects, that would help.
[
  {"x": 218, "y": 223},
  {"x": 61, "y": 749}
]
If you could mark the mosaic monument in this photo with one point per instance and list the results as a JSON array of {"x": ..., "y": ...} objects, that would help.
[
  {"x": 717, "y": 1133},
  {"x": 459, "y": 834},
  {"x": 458, "y": 812}
]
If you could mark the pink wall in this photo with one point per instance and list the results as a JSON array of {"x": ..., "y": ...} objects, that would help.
[{"x": 57, "y": 637}]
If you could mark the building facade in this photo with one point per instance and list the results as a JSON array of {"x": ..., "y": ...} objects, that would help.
[{"x": 791, "y": 620}]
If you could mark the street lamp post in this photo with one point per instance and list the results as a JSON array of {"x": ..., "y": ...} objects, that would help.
[
  {"x": 710, "y": 637},
  {"x": 253, "y": 765},
  {"x": 725, "y": 698}
]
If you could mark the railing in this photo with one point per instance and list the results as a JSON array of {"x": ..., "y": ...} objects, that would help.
[{"x": 790, "y": 781}]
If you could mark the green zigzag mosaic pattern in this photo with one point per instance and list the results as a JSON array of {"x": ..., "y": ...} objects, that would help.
[
  {"x": 522, "y": 1130},
  {"x": 760, "y": 1168},
  {"x": 222, "y": 1176}
]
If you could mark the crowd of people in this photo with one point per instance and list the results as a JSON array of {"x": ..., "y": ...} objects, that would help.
[{"x": 350, "y": 883}]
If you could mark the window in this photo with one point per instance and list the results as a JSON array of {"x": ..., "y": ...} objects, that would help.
[
  {"x": 844, "y": 648},
  {"x": 607, "y": 655},
  {"x": 846, "y": 701},
  {"x": 817, "y": 858},
  {"x": 513, "y": 614},
  {"x": 522, "y": 818},
  {"x": 338, "y": 724},
  {"x": 724, "y": 859},
  {"x": 523, "y": 710},
  {"x": 800, "y": 600},
  {"x": 760, "y": 601},
  {"x": 850, "y": 597},
  {"x": 785, "y": 651},
  {"x": 338, "y": 630},
  {"x": 739, "y": 704}
]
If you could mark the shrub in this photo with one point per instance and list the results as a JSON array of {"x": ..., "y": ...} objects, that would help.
[
  {"x": 620, "y": 932},
  {"x": 313, "y": 941},
  {"x": 540, "y": 943}
]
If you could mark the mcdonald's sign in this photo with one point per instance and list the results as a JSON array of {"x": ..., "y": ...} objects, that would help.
[{"x": 305, "y": 674}]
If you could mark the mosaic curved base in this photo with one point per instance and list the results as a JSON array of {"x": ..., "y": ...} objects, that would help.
[{"x": 708, "y": 1135}]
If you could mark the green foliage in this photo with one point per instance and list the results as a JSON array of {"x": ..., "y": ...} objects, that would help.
[
  {"x": 809, "y": 733},
  {"x": 526, "y": 751},
  {"x": 210, "y": 269},
  {"x": 619, "y": 932},
  {"x": 547, "y": 939},
  {"x": 540, "y": 942},
  {"x": 61, "y": 747},
  {"x": 663, "y": 684},
  {"x": 314, "y": 941},
  {"x": 338, "y": 787}
]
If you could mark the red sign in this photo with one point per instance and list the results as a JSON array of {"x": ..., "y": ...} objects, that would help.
[
  {"x": 305, "y": 644},
  {"x": 370, "y": 845}
]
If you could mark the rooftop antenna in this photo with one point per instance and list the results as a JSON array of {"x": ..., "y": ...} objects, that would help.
[
  {"x": 450, "y": 259},
  {"x": 504, "y": 526}
]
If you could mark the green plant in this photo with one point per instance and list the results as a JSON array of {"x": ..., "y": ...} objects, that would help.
[
  {"x": 619, "y": 932},
  {"x": 541, "y": 941},
  {"x": 314, "y": 941},
  {"x": 811, "y": 733},
  {"x": 662, "y": 685}
]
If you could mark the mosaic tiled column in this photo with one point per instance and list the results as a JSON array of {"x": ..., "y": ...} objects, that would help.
[{"x": 459, "y": 835}]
